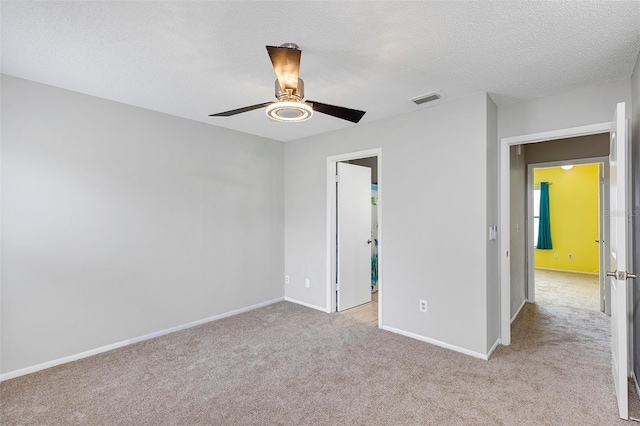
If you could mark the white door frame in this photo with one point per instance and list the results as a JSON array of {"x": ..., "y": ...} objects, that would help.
[
  {"x": 529, "y": 250},
  {"x": 505, "y": 202},
  {"x": 331, "y": 226}
]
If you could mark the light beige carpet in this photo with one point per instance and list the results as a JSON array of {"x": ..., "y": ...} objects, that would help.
[
  {"x": 290, "y": 365},
  {"x": 567, "y": 289}
]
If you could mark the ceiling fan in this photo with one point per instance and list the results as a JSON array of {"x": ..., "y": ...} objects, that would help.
[{"x": 290, "y": 106}]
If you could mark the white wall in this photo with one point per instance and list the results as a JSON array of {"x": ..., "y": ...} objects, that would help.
[
  {"x": 118, "y": 222},
  {"x": 493, "y": 190},
  {"x": 434, "y": 224},
  {"x": 581, "y": 107}
]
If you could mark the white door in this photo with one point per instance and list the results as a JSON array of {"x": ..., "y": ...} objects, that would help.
[
  {"x": 618, "y": 196},
  {"x": 353, "y": 224}
]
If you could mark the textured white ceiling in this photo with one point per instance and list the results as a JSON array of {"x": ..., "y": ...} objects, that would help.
[{"x": 191, "y": 59}]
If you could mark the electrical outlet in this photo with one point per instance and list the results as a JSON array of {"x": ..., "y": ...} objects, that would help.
[
  {"x": 570, "y": 256},
  {"x": 423, "y": 306},
  {"x": 555, "y": 255},
  {"x": 307, "y": 282},
  {"x": 287, "y": 280}
]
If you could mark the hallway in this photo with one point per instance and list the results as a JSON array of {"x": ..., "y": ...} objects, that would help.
[
  {"x": 565, "y": 333},
  {"x": 563, "y": 339}
]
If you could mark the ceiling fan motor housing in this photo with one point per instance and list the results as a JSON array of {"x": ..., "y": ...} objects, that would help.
[{"x": 291, "y": 95}]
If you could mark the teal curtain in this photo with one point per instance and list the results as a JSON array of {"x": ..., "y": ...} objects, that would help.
[{"x": 544, "y": 223}]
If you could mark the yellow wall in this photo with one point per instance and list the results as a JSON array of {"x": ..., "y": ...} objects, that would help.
[{"x": 574, "y": 211}]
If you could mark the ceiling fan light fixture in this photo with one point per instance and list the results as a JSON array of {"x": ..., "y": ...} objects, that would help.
[
  {"x": 290, "y": 107},
  {"x": 289, "y": 111}
]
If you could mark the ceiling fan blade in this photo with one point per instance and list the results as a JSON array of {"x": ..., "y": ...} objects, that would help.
[
  {"x": 240, "y": 110},
  {"x": 348, "y": 114},
  {"x": 286, "y": 64}
]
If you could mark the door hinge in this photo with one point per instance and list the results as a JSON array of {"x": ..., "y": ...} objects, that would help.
[{"x": 337, "y": 178}]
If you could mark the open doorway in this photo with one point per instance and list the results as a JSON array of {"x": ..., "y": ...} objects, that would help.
[
  {"x": 367, "y": 311},
  {"x": 566, "y": 234},
  {"x": 616, "y": 342},
  {"x": 522, "y": 159},
  {"x": 354, "y": 228}
]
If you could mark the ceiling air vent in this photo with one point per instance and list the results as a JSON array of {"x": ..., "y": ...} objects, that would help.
[{"x": 429, "y": 97}]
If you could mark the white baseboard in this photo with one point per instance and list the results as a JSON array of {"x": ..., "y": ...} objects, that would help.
[
  {"x": 437, "y": 343},
  {"x": 518, "y": 311},
  {"x": 308, "y": 305},
  {"x": 493, "y": 348},
  {"x": 75, "y": 357},
  {"x": 635, "y": 382},
  {"x": 568, "y": 270}
]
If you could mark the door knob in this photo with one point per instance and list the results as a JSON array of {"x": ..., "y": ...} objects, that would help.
[
  {"x": 368, "y": 241},
  {"x": 621, "y": 275}
]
